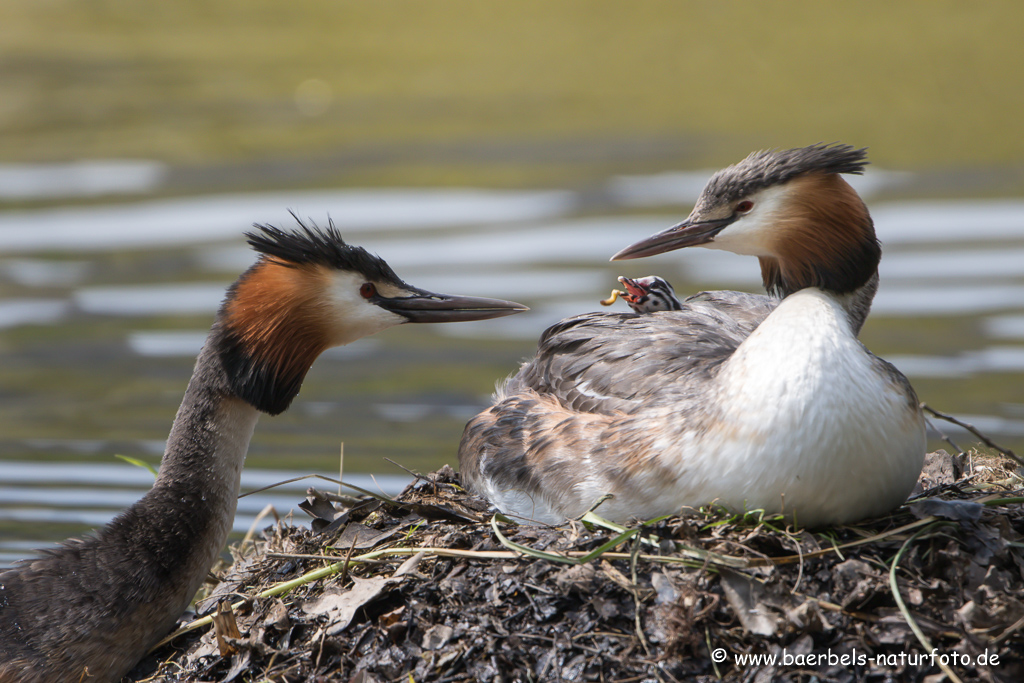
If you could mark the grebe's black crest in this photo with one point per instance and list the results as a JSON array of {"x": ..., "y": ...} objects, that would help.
[
  {"x": 312, "y": 245},
  {"x": 773, "y": 167}
]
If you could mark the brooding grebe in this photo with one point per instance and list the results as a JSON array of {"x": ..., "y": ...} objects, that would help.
[
  {"x": 754, "y": 402},
  {"x": 90, "y": 609},
  {"x": 646, "y": 295}
]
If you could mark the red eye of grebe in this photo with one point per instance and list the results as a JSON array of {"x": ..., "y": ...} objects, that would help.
[
  {"x": 744, "y": 206},
  {"x": 367, "y": 290}
]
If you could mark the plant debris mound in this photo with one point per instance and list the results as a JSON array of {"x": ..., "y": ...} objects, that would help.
[{"x": 431, "y": 586}]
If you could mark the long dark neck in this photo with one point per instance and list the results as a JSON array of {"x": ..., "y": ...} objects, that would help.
[
  {"x": 101, "y": 603},
  {"x": 201, "y": 470}
]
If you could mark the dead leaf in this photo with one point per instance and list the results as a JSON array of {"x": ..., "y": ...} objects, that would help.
[
  {"x": 341, "y": 606},
  {"x": 939, "y": 468},
  {"x": 225, "y": 627},
  {"x": 409, "y": 566},
  {"x": 745, "y": 596},
  {"x": 330, "y": 524},
  {"x": 436, "y": 637},
  {"x": 239, "y": 665},
  {"x": 317, "y": 506},
  {"x": 956, "y": 510},
  {"x": 616, "y": 576},
  {"x": 577, "y": 577},
  {"x": 807, "y": 616},
  {"x": 364, "y": 676},
  {"x": 278, "y": 616},
  {"x": 390, "y": 618},
  {"x": 361, "y": 537}
]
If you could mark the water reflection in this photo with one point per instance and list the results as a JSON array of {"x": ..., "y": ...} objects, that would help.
[
  {"x": 992, "y": 359},
  {"x": 43, "y": 273},
  {"x": 201, "y": 220},
  {"x": 102, "y": 309},
  {"x": 43, "y": 494},
  {"x": 18, "y": 312},
  {"x": 80, "y": 179},
  {"x": 1005, "y": 327}
]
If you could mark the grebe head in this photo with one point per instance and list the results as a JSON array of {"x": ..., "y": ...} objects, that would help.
[
  {"x": 310, "y": 291},
  {"x": 649, "y": 294},
  {"x": 791, "y": 209}
]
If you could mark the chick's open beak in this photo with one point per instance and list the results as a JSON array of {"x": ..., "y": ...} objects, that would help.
[
  {"x": 634, "y": 291},
  {"x": 428, "y": 307},
  {"x": 686, "y": 234}
]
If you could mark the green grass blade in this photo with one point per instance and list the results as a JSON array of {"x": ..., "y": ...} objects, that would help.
[{"x": 138, "y": 463}]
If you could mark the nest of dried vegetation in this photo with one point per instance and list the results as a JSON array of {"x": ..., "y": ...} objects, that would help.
[{"x": 431, "y": 587}]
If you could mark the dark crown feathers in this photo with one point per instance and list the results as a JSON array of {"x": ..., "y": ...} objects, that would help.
[
  {"x": 774, "y": 167},
  {"x": 310, "y": 244}
]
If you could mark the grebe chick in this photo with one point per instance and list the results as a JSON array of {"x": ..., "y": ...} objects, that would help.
[
  {"x": 754, "y": 402},
  {"x": 91, "y": 609},
  {"x": 646, "y": 295}
]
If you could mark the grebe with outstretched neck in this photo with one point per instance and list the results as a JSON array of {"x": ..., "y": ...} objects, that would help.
[
  {"x": 91, "y": 608},
  {"x": 750, "y": 401}
]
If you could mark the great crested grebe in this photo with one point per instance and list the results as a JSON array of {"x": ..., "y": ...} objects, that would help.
[
  {"x": 90, "y": 609},
  {"x": 646, "y": 295},
  {"x": 750, "y": 401}
]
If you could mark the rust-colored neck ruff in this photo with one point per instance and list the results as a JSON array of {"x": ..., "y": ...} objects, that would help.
[
  {"x": 271, "y": 333},
  {"x": 826, "y": 240}
]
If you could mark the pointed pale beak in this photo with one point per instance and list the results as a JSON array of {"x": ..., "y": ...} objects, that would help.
[
  {"x": 427, "y": 307},
  {"x": 686, "y": 234}
]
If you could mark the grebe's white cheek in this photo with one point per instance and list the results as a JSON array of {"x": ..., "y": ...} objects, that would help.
[
  {"x": 745, "y": 236},
  {"x": 353, "y": 315},
  {"x": 757, "y": 232}
]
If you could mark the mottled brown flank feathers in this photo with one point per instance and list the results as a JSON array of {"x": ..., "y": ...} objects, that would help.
[
  {"x": 272, "y": 330},
  {"x": 773, "y": 167},
  {"x": 829, "y": 239}
]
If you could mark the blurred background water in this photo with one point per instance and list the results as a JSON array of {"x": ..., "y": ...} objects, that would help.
[{"x": 498, "y": 151}]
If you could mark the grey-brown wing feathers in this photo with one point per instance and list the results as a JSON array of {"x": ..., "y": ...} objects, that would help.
[
  {"x": 620, "y": 362},
  {"x": 586, "y": 394}
]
